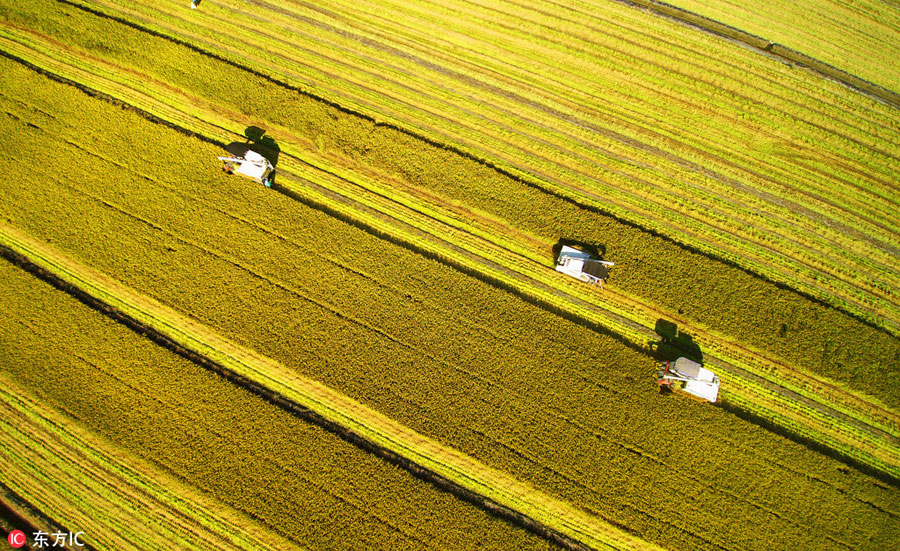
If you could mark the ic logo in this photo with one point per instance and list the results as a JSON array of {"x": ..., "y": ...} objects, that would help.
[{"x": 17, "y": 538}]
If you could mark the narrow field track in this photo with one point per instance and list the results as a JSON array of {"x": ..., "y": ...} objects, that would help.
[
  {"x": 608, "y": 319},
  {"x": 395, "y": 286},
  {"x": 55, "y": 465},
  {"x": 761, "y": 330},
  {"x": 853, "y": 36},
  {"x": 441, "y": 466}
]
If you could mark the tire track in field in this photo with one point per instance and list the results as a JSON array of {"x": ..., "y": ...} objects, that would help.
[
  {"x": 393, "y": 51},
  {"x": 150, "y": 334},
  {"x": 101, "y": 475},
  {"x": 457, "y": 367},
  {"x": 342, "y": 266},
  {"x": 239, "y": 265},
  {"x": 767, "y": 47},
  {"x": 142, "y": 481},
  {"x": 662, "y": 465},
  {"x": 742, "y": 268},
  {"x": 473, "y": 325},
  {"x": 292, "y": 407},
  {"x": 30, "y": 517},
  {"x": 618, "y": 320},
  {"x": 842, "y": 228},
  {"x": 197, "y": 423}
]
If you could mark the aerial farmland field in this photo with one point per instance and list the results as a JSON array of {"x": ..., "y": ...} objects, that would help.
[{"x": 357, "y": 329}]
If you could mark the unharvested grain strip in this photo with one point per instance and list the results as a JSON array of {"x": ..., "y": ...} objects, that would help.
[
  {"x": 292, "y": 407},
  {"x": 466, "y": 269},
  {"x": 576, "y": 201}
]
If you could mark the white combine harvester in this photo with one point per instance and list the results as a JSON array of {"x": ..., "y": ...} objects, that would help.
[
  {"x": 690, "y": 377},
  {"x": 252, "y": 165},
  {"x": 581, "y": 265}
]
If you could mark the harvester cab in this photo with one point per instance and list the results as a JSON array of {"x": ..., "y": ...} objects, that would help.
[
  {"x": 582, "y": 266},
  {"x": 690, "y": 377},
  {"x": 252, "y": 165}
]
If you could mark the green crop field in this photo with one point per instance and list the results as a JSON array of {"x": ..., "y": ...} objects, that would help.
[{"x": 376, "y": 352}]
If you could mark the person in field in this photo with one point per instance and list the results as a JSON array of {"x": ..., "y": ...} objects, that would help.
[{"x": 194, "y": 4}]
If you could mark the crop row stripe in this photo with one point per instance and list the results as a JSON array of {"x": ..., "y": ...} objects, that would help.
[
  {"x": 763, "y": 45},
  {"x": 353, "y": 196},
  {"x": 90, "y": 479},
  {"x": 585, "y": 196},
  {"x": 282, "y": 384}
]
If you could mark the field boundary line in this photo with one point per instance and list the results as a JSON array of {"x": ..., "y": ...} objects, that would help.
[
  {"x": 497, "y": 492},
  {"x": 767, "y": 47},
  {"x": 12, "y": 504}
]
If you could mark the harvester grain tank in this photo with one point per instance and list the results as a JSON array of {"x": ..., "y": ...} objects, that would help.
[
  {"x": 583, "y": 266},
  {"x": 252, "y": 165},
  {"x": 690, "y": 377}
]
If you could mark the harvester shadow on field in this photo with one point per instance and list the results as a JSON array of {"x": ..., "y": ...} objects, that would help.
[
  {"x": 674, "y": 344},
  {"x": 257, "y": 141}
]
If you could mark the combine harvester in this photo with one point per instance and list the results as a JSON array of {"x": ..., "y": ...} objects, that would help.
[
  {"x": 690, "y": 377},
  {"x": 582, "y": 266},
  {"x": 252, "y": 165}
]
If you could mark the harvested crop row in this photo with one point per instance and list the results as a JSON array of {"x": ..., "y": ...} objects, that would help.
[
  {"x": 117, "y": 500},
  {"x": 725, "y": 299},
  {"x": 493, "y": 490},
  {"x": 752, "y": 185},
  {"x": 515, "y": 387},
  {"x": 308, "y": 486},
  {"x": 857, "y": 37},
  {"x": 875, "y": 449}
]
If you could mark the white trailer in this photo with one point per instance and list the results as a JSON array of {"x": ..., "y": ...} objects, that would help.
[
  {"x": 582, "y": 266},
  {"x": 690, "y": 377},
  {"x": 252, "y": 165}
]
